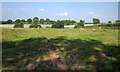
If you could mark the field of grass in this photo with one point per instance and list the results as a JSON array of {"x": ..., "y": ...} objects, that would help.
[{"x": 60, "y": 49}]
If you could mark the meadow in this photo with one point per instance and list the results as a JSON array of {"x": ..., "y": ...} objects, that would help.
[{"x": 60, "y": 49}]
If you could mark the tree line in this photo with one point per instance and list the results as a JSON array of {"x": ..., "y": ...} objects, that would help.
[{"x": 35, "y": 22}]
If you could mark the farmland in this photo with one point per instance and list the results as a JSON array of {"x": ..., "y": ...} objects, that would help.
[{"x": 60, "y": 49}]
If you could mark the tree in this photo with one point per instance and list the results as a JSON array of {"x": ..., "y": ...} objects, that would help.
[
  {"x": 52, "y": 22},
  {"x": 9, "y": 21},
  {"x": 47, "y": 21},
  {"x": 42, "y": 21},
  {"x": 19, "y": 25},
  {"x": 117, "y": 21},
  {"x": 23, "y": 20},
  {"x": 67, "y": 22},
  {"x": 17, "y": 21},
  {"x": 96, "y": 21},
  {"x": 73, "y": 21},
  {"x": 4, "y": 22},
  {"x": 35, "y": 26},
  {"x": 80, "y": 24},
  {"x": 35, "y": 20},
  {"x": 109, "y": 22},
  {"x": 58, "y": 24},
  {"x": 35, "y": 23},
  {"x": 29, "y": 21}
]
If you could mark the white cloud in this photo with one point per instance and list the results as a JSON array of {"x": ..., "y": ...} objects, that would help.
[
  {"x": 62, "y": 14},
  {"x": 24, "y": 9},
  {"x": 41, "y": 9},
  {"x": 91, "y": 13},
  {"x": 6, "y": 9},
  {"x": 95, "y": 15}
]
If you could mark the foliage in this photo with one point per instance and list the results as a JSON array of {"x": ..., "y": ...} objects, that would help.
[
  {"x": 23, "y": 21},
  {"x": 42, "y": 21},
  {"x": 9, "y": 21},
  {"x": 59, "y": 24},
  {"x": 52, "y": 21},
  {"x": 19, "y": 25},
  {"x": 29, "y": 21},
  {"x": 117, "y": 21},
  {"x": 35, "y": 23},
  {"x": 77, "y": 26},
  {"x": 96, "y": 21},
  {"x": 35, "y": 26},
  {"x": 4, "y": 22},
  {"x": 35, "y": 20},
  {"x": 80, "y": 24},
  {"x": 47, "y": 21},
  {"x": 68, "y": 22},
  {"x": 112, "y": 25},
  {"x": 17, "y": 21},
  {"x": 109, "y": 22}
]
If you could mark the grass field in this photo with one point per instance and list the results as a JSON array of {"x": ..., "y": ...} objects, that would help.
[{"x": 60, "y": 49}]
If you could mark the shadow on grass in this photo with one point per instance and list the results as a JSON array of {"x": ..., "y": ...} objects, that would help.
[{"x": 60, "y": 54}]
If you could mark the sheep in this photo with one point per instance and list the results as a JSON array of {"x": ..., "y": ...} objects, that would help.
[
  {"x": 100, "y": 27},
  {"x": 82, "y": 29},
  {"x": 94, "y": 29}
]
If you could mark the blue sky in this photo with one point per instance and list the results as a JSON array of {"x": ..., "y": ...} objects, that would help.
[{"x": 105, "y": 11}]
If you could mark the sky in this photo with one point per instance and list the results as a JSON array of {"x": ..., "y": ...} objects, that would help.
[
  {"x": 105, "y": 11},
  {"x": 59, "y": 0}
]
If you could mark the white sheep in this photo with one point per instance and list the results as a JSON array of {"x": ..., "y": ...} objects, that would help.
[{"x": 94, "y": 29}]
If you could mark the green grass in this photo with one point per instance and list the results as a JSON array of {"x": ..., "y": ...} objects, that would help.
[{"x": 20, "y": 47}]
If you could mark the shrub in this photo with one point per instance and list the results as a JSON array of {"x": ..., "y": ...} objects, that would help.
[
  {"x": 77, "y": 26},
  {"x": 59, "y": 24},
  {"x": 35, "y": 26},
  {"x": 19, "y": 25}
]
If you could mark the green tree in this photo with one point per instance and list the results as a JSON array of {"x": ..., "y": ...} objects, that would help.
[
  {"x": 117, "y": 21},
  {"x": 67, "y": 22},
  {"x": 29, "y": 21},
  {"x": 35, "y": 23},
  {"x": 96, "y": 21},
  {"x": 9, "y": 21},
  {"x": 35, "y": 26},
  {"x": 17, "y": 21},
  {"x": 23, "y": 20},
  {"x": 109, "y": 22},
  {"x": 42, "y": 21},
  {"x": 47, "y": 21},
  {"x": 52, "y": 22},
  {"x": 73, "y": 21},
  {"x": 80, "y": 24},
  {"x": 58, "y": 24},
  {"x": 35, "y": 20},
  {"x": 19, "y": 25}
]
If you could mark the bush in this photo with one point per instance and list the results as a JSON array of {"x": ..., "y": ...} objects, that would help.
[
  {"x": 35, "y": 26},
  {"x": 59, "y": 24},
  {"x": 19, "y": 25},
  {"x": 77, "y": 26},
  {"x": 112, "y": 25}
]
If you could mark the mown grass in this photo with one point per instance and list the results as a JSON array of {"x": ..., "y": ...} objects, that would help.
[{"x": 71, "y": 48}]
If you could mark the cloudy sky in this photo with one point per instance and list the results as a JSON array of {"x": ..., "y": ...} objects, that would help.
[{"x": 105, "y": 11}]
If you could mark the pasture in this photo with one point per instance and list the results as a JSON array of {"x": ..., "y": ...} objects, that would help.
[{"x": 60, "y": 49}]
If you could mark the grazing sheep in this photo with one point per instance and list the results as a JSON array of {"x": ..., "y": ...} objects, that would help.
[
  {"x": 82, "y": 29},
  {"x": 11, "y": 28},
  {"x": 100, "y": 27},
  {"x": 94, "y": 29}
]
